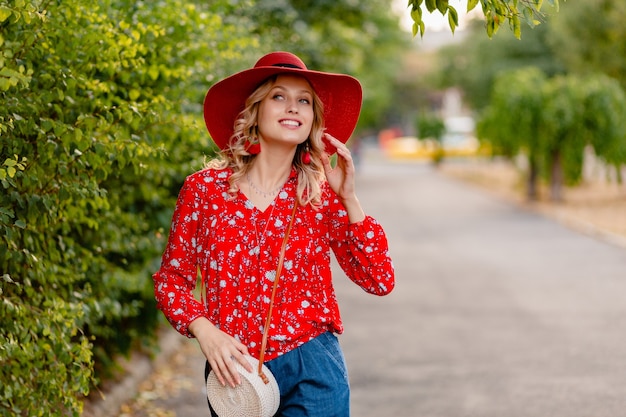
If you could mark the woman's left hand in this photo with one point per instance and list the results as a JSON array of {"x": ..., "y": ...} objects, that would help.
[{"x": 341, "y": 178}]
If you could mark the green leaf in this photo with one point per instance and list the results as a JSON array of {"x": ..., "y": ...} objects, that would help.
[
  {"x": 517, "y": 30},
  {"x": 528, "y": 16},
  {"x": 471, "y": 4},
  {"x": 416, "y": 30},
  {"x": 539, "y": 4},
  {"x": 5, "y": 13},
  {"x": 414, "y": 4},
  {"x": 7, "y": 211},
  {"x": 134, "y": 94},
  {"x": 442, "y": 6},
  {"x": 453, "y": 18},
  {"x": 431, "y": 5},
  {"x": 20, "y": 224},
  {"x": 416, "y": 15},
  {"x": 153, "y": 71},
  {"x": 490, "y": 26}
]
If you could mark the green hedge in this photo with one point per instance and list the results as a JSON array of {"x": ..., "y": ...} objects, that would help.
[
  {"x": 100, "y": 121},
  {"x": 99, "y": 124}
]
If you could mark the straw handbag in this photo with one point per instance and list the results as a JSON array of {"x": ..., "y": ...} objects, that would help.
[{"x": 258, "y": 394}]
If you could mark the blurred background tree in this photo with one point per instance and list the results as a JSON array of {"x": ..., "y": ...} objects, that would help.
[
  {"x": 474, "y": 63},
  {"x": 543, "y": 112},
  {"x": 588, "y": 37},
  {"x": 431, "y": 127},
  {"x": 511, "y": 122}
]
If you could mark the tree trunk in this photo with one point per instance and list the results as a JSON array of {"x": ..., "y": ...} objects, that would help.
[
  {"x": 533, "y": 176},
  {"x": 556, "y": 177}
]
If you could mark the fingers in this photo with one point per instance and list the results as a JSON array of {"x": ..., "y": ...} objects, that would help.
[
  {"x": 223, "y": 352},
  {"x": 342, "y": 149},
  {"x": 344, "y": 160},
  {"x": 240, "y": 356},
  {"x": 226, "y": 370},
  {"x": 326, "y": 163}
]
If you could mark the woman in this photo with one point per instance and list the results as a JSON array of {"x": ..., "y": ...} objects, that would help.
[{"x": 270, "y": 123}]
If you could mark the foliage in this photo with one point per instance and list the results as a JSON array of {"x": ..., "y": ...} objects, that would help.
[
  {"x": 497, "y": 12},
  {"x": 362, "y": 39},
  {"x": 474, "y": 64},
  {"x": 552, "y": 121},
  {"x": 583, "y": 38},
  {"x": 431, "y": 127},
  {"x": 588, "y": 36},
  {"x": 580, "y": 112},
  {"x": 605, "y": 123},
  {"x": 95, "y": 139},
  {"x": 512, "y": 120}
]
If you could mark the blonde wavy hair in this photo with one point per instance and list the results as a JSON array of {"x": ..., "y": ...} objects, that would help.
[{"x": 238, "y": 159}]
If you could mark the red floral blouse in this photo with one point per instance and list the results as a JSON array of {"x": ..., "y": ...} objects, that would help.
[{"x": 235, "y": 247}]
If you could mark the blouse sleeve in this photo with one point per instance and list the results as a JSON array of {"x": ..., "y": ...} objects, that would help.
[
  {"x": 176, "y": 278},
  {"x": 362, "y": 251}
]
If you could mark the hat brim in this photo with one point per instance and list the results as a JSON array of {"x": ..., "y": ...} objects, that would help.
[{"x": 341, "y": 94}]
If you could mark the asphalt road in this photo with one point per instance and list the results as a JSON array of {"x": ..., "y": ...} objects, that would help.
[{"x": 497, "y": 312}]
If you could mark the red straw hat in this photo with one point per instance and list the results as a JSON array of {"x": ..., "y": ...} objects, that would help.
[{"x": 340, "y": 93}]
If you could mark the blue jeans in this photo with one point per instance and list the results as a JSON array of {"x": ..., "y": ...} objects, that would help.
[{"x": 313, "y": 380}]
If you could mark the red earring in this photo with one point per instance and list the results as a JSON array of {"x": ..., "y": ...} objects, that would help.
[
  {"x": 253, "y": 146},
  {"x": 306, "y": 158}
]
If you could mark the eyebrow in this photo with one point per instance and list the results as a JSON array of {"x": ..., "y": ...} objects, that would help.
[{"x": 278, "y": 86}]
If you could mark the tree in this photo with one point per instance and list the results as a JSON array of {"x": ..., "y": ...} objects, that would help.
[
  {"x": 553, "y": 121},
  {"x": 431, "y": 126},
  {"x": 588, "y": 36},
  {"x": 581, "y": 112},
  {"x": 474, "y": 64},
  {"x": 497, "y": 12},
  {"x": 605, "y": 121},
  {"x": 512, "y": 122}
]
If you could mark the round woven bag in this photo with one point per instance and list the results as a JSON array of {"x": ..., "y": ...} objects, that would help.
[{"x": 252, "y": 398}]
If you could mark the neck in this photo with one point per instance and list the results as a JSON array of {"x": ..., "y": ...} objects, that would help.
[{"x": 269, "y": 172}]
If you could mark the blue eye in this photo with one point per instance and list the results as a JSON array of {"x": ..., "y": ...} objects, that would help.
[{"x": 305, "y": 101}]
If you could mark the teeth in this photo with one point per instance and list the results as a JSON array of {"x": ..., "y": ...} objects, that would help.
[{"x": 290, "y": 123}]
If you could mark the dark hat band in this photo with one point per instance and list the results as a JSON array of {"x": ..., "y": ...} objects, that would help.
[{"x": 287, "y": 66}]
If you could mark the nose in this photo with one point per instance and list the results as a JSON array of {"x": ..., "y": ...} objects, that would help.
[{"x": 292, "y": 106}]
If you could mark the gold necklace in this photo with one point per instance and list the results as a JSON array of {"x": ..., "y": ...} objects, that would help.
[{"x": 264, "y": 194}]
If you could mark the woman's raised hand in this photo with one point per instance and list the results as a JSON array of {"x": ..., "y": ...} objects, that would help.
[{"x": 341, "y": 178}]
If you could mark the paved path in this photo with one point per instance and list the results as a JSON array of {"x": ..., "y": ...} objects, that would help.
[{"x": 497, "y": 312}]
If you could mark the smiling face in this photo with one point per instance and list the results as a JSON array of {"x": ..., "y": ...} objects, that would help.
[{"x": 286, "y": 113}]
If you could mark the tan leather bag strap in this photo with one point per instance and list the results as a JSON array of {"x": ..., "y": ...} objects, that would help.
[{"x": 279, "y": 269}]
